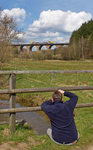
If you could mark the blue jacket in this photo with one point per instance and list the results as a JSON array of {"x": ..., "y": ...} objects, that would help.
[{"x": 61, "y": 118}]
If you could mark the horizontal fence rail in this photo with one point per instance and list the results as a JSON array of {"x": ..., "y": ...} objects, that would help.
[
  {"x": 44, "y": 71},
  {"x": 34, "y": 90},
  {"x": 38, "y": 108}
]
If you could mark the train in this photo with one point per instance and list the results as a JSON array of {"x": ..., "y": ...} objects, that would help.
[{"x": 48, "y": 42}]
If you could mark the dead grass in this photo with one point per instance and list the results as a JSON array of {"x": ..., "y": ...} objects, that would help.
[
  {"x": 13, "y": 146},
  {"x": 25, "y": 146},
  {"x": 19, "y": 146}
]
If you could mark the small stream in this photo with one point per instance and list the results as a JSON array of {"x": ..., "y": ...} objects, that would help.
[{"x": 34, "y": 119}]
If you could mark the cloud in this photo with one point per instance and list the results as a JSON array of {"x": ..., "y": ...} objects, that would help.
[
  {"x": 58, "y": 20},
  {"x": 17, "y": 13},
  {"x": 55, "y": 24}
]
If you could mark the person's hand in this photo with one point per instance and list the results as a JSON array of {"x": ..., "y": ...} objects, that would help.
[
  {"x": 61, "y": 91},
  {"x": 52, "y": 100}
]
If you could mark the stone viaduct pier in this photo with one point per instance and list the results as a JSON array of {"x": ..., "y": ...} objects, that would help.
[{"x": 29, "y": 47}]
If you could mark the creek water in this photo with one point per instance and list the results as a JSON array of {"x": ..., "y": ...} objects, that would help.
[{"x": 34, "y": 119}]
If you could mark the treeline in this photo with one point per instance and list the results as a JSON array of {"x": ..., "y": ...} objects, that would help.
[
  {"x": 81, "y": 41},
  {"x": 81, "y": 44},
  {"x": 85, "y": 31}
]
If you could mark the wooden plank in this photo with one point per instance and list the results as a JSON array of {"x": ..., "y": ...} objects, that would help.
[
  {"x": 12, "y": 116},
  {"x": 34, "y": 90},
  {"x": 84, "y": 105},
  {"x": 4, "y": 122},
  {"x": 15, "y": 110},
  {"x": 38, "y": 108},
  {"x": 44, "y": 71}
]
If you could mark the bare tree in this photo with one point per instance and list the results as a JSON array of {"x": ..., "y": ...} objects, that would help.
[
  {"x": 8, "y": 29},
  {"x": 8, "y": 33}
]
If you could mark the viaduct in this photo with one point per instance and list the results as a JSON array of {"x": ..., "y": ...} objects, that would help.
[{"x": 29, "y": 47}]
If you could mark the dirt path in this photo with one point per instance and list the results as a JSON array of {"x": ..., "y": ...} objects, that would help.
[
  {"x": 24, "y": 146},
  {"x": 90, "y": 148},
  {"x": 12, "y": 146}
]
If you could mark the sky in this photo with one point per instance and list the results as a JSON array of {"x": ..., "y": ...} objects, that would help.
[{"x": 47, "y": 20}]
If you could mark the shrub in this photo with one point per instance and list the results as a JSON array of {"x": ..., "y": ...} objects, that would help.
[
  {"x": 48, "y": 54},
  {"x": 38, "y": 55},
  {"x": 6, "y": 52}
]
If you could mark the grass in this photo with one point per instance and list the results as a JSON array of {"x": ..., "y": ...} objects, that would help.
[{"x": 84, "y": 116}]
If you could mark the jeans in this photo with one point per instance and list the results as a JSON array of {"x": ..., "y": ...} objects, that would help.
[{"x": 49, "y": 132}]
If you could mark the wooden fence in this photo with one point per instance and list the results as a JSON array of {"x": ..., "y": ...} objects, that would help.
[{"x": 12, "y": 91}]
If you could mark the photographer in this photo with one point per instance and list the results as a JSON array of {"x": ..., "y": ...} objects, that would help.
[{"x": 63, "y": 129}]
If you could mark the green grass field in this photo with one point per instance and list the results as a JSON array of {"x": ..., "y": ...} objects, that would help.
[{"x": 83, "y": 116}]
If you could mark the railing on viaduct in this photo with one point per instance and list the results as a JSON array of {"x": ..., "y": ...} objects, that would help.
[
  {"x": 38, "y": 45},
  {"x": 12, "y": 91}
]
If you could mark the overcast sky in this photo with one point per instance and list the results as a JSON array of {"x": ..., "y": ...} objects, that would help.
[{"x": 44, "y": 20}]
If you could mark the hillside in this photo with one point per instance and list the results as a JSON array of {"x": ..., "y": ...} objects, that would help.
[{"x": 85, "y": 31}]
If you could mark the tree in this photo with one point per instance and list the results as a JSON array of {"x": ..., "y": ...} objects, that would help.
[
  {"x": 83, "y": 39},
  {"x": 8, "y": 33}
]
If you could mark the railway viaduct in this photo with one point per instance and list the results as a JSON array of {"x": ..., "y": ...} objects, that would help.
[{"x": 29, "y": 47}]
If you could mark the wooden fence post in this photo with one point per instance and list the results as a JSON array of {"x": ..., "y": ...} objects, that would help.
[{"x": 12, "y": 116}]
